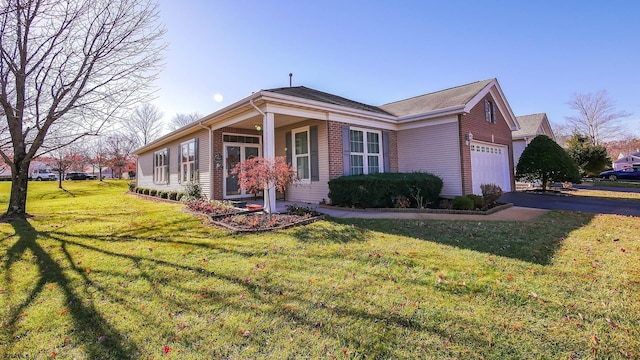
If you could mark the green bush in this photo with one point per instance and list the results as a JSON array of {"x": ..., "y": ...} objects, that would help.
[
  {"x": 173, "y": 195},
  {"x": 490, "y": 193},
  {"x": 179, "y": 196},
  {"x": 132, "y": 185},
  {"x": 192, "y": 191},
  {"x": 153, "y": 192},
  {"x": 163, "y": 194},
  {"x": 146, "y": 191},
  {"x": 478, "y": 201},
  {"x": 463, "y": 203},
  {"x": 382, "y": 190}
]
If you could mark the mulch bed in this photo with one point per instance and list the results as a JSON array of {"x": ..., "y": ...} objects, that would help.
[{"x": 258, "y": 221}]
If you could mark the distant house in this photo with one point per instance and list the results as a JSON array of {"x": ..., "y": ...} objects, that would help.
[
  {"x": 530, "y": 127},
  {"x": 462, "y": 134},
  {"x": 625, "y": 161}
]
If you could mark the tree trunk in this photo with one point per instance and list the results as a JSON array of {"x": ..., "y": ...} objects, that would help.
[{"x": 18, "y": 201}]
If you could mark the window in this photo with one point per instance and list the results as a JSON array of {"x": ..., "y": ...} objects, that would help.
[
  {"x": 301, "y": 154},
  {"x": 489, "y": 111},
  {"x": 161, "y": 167},
  {"x": 366, "y": 157},
  {"x": 189, "y": 161}
]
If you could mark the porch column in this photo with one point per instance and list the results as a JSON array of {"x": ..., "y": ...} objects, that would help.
[{"x": 269, "y": 152}]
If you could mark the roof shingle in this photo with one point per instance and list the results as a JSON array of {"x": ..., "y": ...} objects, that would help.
[
  {"x": 316, "y": 95},
  {"x": 529, "y": 125}
]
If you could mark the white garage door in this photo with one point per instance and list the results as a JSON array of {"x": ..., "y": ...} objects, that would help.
[{"x": 489, "y": 165}]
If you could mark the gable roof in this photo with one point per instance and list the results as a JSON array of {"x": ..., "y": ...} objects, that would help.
[
  {"x": 623, "y": 158},
  {"x": 530, "y": 125},
  {"x": 455, "y": 96},
  {"x": 316, "y": 95}
]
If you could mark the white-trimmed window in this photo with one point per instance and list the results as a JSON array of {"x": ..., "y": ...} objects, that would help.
[
  {"x": 301, "y": 160},
  {"x": 366, "y": 151},
  {"x": 161, "y": 167},
  {"x": 489, "y": 111},
  {"x": 189, "y": 161}
]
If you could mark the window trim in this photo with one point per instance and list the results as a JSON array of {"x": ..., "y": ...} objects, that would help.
[
  {"x": 365, "y": 154},
  {"x": 295, "y": 156},
  {"x": 161, "y": 172}
]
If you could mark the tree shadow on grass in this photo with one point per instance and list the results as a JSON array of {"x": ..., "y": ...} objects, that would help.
[
  {"x": 100, "y": 339},
  {"x": 531, "y": 241},
  {"x": 329, "y": 232}
]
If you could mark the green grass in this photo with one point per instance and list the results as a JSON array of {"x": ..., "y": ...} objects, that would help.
[
  {"x": 622, "y": 184},
  {"x": 605, "y": 194},
  {"x": 100, "y": 274}
]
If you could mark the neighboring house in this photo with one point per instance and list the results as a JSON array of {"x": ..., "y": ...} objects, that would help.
[
  {"x": 625, "y": 161},
  {"x": 530, "y": 127},
  {"x": 462, "y": 134}
]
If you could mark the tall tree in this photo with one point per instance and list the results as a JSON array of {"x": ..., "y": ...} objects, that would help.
[
  {"x": 181, "y": 120},
  {"x": 591, "y": 158},
  {"x": 70, "y": 65},
  {"x": 597, "y": 116},
  {"x": 144, "y": 125},
  {"x": 545, "y": 161}
]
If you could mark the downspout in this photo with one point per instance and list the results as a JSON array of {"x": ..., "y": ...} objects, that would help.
[{"x": 210, "y": 159}]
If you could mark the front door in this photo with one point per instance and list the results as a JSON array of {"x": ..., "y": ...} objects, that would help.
[{"x": 233, "y": 154}]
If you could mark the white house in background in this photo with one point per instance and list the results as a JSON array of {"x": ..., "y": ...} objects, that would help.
[
  {"x": 462, "y": 134},
  {"x": 530, "y": 127},
  {"x": 625, "y": 161}
]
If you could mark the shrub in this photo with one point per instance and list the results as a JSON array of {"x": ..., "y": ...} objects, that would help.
[
  {"x": 179, "y": 196},
  {"x": 402, "y": 202},
  {"x": 173, "y": 195},
  {"x": 381, "y": 190},
  {"x": 146, "y": 191},
  {"x": 462, "y": 203},
  {"x": 545, "y": 161},
  {"x": 478, "y": 201},
  {"x": 163, "y": 194},
  {"x": 192, "y": 191},
  {"x": 153, "y": 192},
  {"x": 490, "y": 193},
  {"x": 132, "y": 185}
]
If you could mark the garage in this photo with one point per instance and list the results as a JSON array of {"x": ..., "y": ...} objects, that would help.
[{"x": 489, "y": 165}]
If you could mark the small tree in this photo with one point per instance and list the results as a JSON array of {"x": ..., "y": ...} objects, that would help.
[
  {"x": 591, "y": 158},
  {"x": 258, "y": 174},
  {"x": 545, "y": 161}
]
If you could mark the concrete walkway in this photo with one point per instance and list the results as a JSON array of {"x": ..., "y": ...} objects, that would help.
[{"x": 514, "y": 213}]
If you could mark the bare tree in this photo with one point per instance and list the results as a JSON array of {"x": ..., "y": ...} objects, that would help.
[
  {"x": 144, "y": 125},
  {"x": 181, "y": 120},
  {"x": 597, "y": 116},
  {"x": 119, "y": 149},
  {"x": 70, "y": 65}
]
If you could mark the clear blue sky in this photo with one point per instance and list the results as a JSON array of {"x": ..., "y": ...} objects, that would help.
[{"x": 376, "y": 52}]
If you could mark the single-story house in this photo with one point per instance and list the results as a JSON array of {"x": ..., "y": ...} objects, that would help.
[
  {"x": 530, "y": 127},
  {"x": 462, "y": 134},
  {"x": 625, "y": 161}
]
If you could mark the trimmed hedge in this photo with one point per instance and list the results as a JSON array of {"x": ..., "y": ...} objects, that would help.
[
  {"x": 463, "y": 203},
  {"x": 381, "y": 190}
]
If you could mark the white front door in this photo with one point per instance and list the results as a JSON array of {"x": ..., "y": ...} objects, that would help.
[
  {"x": 234, "y": 153},
  {"x": 489, "y": 165}
]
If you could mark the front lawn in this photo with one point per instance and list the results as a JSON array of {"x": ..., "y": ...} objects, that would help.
[{"x": 100, "y": 274}]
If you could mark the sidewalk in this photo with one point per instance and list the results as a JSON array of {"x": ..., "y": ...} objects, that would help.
[{"x": 514, "y": 213}]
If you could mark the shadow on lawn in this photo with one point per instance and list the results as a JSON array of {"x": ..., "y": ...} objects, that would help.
[
  {"x": 535, "y": 241},
  {"x": 91, "y": 329}
]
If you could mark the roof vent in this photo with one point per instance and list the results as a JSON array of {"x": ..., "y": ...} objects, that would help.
[{"x": 290, "y": 77}]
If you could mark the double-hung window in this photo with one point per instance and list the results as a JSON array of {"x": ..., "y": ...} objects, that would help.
[
  {"x": 366, "y": 154},
  {"x": 301, "y": 154},
  {"x": 161, "y": 167},
  {"x": 489, "y": 111},
  {"x": 189, "y": 161}
]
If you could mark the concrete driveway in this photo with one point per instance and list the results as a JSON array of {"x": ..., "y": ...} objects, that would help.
[{"x": 573, "y": 203}]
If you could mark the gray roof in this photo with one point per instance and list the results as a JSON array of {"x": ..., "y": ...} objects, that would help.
[
  {"x": 455, "y": 96},
  {"x": 316, "y": 95},
  {"x": 529, "y": 125}
]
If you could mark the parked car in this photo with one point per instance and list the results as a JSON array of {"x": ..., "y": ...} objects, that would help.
[
  {"x": 75, "y": 176},
  {"x": 631, "y": 173},
  {"x": 43, "y": 175},
  {"x": 91, "y": 176}
]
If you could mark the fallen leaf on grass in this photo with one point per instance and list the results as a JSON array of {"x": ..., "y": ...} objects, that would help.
[
  {"x": 612, "y": 323},
  {"x": 166, "y": 349},
  {"x": 594, "y": 339}
]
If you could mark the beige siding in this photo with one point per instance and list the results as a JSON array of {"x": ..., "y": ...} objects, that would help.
[
  {"x": 317, "y": 190},
  {"x": 145, "y": 165},
  {"x": 433, "y": 149}
]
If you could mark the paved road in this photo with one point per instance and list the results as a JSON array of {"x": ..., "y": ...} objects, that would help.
[{"x": 573, "y": 203}]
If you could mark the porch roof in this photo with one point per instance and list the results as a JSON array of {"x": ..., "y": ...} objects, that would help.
[{"x": 316, "y": 95}]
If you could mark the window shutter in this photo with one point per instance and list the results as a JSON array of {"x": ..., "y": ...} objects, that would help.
[
  {"x": 168, "y": 163},
  {"x": 494, "y": 113},
  {"x": 487, "y": 110},
  {"x": 386, "y": 153},
  {"x": 346, "y": 151},
  {"x": 179, "y": 157},
  {"x": 289, "y": 145},
  {"x": 313, "y": 158}
]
